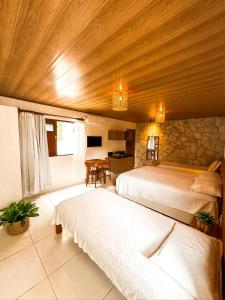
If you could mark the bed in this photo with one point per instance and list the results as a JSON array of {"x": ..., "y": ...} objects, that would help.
[
  {"x": 166, "y": 190},
  {"x": 145, "y": 254},
  {"x": 183, "y": 167}
]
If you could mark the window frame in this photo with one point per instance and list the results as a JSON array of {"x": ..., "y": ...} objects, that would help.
[{"x": 52, "y": 141}]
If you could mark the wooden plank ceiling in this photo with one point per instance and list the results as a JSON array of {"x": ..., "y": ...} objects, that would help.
[{"x": 66, "y": 53}]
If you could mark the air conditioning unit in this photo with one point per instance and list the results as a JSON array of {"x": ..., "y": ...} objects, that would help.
[{"x": 91, "y": 119}]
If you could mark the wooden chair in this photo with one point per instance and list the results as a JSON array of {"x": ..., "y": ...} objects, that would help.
[
  {"x": 108, "y": 169},
  {"x": 96, "y": 171}
]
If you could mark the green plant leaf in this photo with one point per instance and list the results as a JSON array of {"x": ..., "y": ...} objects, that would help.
[
  {"x": 18, "y": 211},
  {"x": 205, "y": 218}
]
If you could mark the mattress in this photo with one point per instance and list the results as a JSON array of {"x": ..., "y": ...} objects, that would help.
[
  {"x": 145, "y": 254},
  {"x": 167, "y": 189}
]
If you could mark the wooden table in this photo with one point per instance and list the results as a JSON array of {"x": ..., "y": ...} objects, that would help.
[{"x": 96, "y": 170}]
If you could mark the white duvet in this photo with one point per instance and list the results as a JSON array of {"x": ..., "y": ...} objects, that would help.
[
  {"x": 145, "y": 254},
  {"x": 168, "y": 187}
]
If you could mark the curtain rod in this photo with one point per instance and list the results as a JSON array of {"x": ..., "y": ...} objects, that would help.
[{"x": 38, "y": 113}]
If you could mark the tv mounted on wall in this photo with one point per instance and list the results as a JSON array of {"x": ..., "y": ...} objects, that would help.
[{"x": 94, "y": 141}]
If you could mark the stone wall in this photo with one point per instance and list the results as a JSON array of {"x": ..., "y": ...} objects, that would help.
[{"x": 193, "y": 141}]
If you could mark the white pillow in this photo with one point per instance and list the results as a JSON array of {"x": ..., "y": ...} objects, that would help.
[
  {"x": 211, "y": 175},
  {"x": 208, "y": 183},
  {"x": 214, "y": 166},
  {"x": 193, "y": 259}
]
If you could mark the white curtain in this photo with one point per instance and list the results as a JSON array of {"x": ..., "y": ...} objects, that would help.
[
  {"x": 80, "y": 146},
  {"x": 34, "y": 153}
]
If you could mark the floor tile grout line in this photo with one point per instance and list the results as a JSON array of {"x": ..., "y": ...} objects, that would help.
[
  {"x": 1, "y": 260},
  {"x": 33, "y": 243},
  {"x": 52, "y": 287},
  {"x": 56, "y": 268},
  {"x": 44, "y": 237},
  {"x": 108, "y": 292},
  {"x": 29, "y": 246},
  {"x": 31, "y": 288},
  {"x": 60, "y": 265},
  {"x": 70, "y": 260},
  {"x": 43, "y": 267},
  {"x": 75, "y": 254},
  {"x": 65, "y": 262},
  {"x": 59, "y": 268},
  {"x": 38, "y": 281}
]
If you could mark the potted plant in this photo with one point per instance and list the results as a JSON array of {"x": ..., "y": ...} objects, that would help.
[
  {"x": 16, "y": 216},
  {"x": 204, "y": 221}
]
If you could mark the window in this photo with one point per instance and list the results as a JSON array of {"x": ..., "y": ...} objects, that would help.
[{"x": 60, "y": 136}]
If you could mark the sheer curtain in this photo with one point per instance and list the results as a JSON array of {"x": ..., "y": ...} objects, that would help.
[
  {"x": 34, "y": 153},
  {"x": 80, "y": 147}
]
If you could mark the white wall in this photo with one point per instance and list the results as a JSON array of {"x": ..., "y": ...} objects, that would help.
[
  {"x": 102, "y": 129},
  {"x": 63, "y": 171},
  {"x": 63, "y": 168},
  {"x": 10, "y": 176}
]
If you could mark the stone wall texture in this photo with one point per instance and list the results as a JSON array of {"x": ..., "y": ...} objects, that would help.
[{"x": 192, "y": 141}]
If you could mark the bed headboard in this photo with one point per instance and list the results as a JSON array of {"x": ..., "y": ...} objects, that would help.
[{"x": 222, "y": 173}]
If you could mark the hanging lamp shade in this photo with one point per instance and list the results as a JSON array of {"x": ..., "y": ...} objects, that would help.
[
  {"x": 120, "y": 96},
  {"x": 120, "y": 100},
  {"x": 160, "y": 115}
]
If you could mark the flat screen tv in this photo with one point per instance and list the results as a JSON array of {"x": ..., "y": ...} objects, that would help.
[{"x": 94, "y": 141}]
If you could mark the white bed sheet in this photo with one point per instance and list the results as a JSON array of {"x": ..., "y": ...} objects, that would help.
[
  {"x": 145, "y": 254},
  {"x": 182, "y": 167},
  {"x": 166, "y": 186}
]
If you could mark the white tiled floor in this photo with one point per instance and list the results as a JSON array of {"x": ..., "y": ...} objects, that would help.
[{"x": 40, "y": 265}]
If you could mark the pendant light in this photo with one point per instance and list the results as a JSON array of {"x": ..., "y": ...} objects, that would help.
[
  {"x": 120, "y": 95},
  {"x": 160, "y": 114}
]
